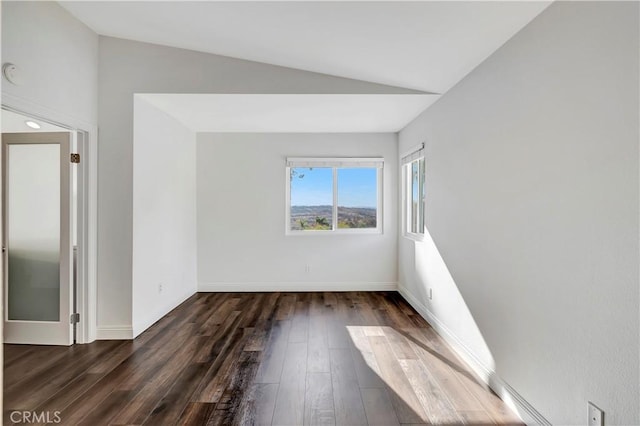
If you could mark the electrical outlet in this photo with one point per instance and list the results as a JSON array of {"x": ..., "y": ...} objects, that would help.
[
  {"x": 160, "y": 288},
  {"x": 307, "y": 268},
  {"x": 430, "y": 294},
  {"x": 596, "y": 415}
]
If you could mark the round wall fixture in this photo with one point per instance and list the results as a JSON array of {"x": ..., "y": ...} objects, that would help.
[{"x": 12, "y": 73}]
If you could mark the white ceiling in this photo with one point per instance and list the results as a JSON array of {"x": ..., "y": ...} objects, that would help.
[
  {"x": 291, "y": 113},
  {"x": 428, "y": 45}
]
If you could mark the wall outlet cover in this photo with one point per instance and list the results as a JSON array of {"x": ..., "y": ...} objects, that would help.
[{"x": 596, "y": 415}]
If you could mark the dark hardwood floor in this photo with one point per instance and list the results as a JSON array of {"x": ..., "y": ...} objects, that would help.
[{"x": 350, "y": 358}]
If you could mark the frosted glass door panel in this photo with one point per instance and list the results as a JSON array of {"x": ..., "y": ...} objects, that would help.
[{"x": 33, "y": 232}]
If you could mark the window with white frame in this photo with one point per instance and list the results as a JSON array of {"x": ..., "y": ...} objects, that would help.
[
  {"x": 413, "y": 169},
  {"x": 334, "y": 195}
]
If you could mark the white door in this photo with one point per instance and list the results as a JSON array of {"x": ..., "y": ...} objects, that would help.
[{"x": 37, "y": 251}]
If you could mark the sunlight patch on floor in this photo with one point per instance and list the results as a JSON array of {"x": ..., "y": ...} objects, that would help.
[{"x": 388, "y": 351}]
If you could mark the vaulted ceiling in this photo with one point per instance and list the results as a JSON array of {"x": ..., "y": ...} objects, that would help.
[{"x": 428, "y": 46}]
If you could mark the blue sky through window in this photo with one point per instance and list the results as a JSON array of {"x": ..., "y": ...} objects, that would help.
[
  {"x": 357, "y": 187},
  {"x": 312, "y": 187}
]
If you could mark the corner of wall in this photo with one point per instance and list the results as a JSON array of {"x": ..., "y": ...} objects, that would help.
[{"x": 140, "y": 327}]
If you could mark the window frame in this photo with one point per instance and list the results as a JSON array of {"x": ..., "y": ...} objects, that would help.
[
  {"x": 408, "y": 160},
  {"x": 335, "y": 163}
]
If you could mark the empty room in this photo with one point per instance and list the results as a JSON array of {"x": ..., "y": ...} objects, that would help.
[{"x": 320, "y": 212}]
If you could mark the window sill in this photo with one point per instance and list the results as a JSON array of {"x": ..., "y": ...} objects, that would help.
[
  {"x": 414, "y": 237},
  {"x": 289, "y": 233}
]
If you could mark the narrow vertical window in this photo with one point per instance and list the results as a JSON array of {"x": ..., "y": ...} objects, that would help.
[{"x": 414, "y": 190}]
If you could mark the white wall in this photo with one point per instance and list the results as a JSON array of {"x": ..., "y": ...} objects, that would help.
[
  {"x": 241, "y": 216},
  {"x": 58, "y": 59},
  {"x": 128, "y": 67},
  {"x": 532, "y": 185},
  {"x": 164, "y": 214}
]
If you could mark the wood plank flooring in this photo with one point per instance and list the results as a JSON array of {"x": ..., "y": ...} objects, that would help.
[{"x": 351, "y": 358}]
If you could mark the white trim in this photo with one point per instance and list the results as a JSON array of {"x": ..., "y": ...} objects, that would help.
[
  {"x": 87, "y": 199},
  {"x": 156, "y": 316},
  {"x": 414, "y": 237},
  {"x": 339, "y": 231},
  {"x": 368, "y": 162},
  {"x": 39, "y": 111},
  {"x": 148, "y": 322},
  {"x": 413, "y": 153},
  {"x": 509, "y": 395},
  {"x": 114, "y": 332},
  {"x": 287, "y": 201},
  {"x": 227, "y": 287}
]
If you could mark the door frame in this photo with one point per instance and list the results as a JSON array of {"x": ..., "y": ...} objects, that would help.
[{"x": 86, "y": 137}]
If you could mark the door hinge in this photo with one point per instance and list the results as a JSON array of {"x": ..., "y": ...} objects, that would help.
[
  {"x": 74, "y": 318},
  {"x": 75, "y": 158}
]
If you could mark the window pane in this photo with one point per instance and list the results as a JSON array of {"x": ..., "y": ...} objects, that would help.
[
  {"x": 311, "y": 198},
  {"x": 422, "y": 197},
  {"x": 357, "y": 198},
  {"x": 415, "y": 197}
]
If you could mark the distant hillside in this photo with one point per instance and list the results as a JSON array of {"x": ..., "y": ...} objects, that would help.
[{"x": 320, "y": 217}]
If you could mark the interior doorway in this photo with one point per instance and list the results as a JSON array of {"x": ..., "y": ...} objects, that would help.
[{"x": 43, "y": 250}]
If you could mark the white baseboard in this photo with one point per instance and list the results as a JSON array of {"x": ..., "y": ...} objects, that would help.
[
  {"x": 509, "y": 395},
  {"x": 156, "y": 316},
  {"x": 114, "y": 333},
  {"x": 295, "y": 286}
]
